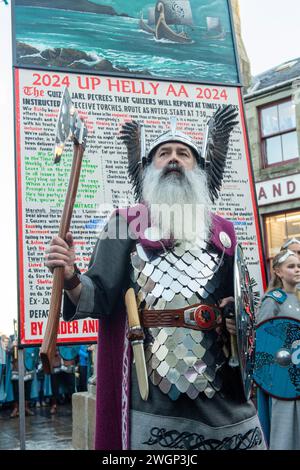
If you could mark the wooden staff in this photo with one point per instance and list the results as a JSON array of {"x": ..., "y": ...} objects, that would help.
[{"x": 50, "y": 338}]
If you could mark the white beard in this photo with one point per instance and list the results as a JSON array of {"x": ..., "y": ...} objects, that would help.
[{"x": 179, "y": 204}]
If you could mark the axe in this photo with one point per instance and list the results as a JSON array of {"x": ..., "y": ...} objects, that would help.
[{"x": 69, "y": 126}]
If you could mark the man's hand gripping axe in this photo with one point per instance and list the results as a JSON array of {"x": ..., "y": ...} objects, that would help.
[{"x": 69, "y": 126}]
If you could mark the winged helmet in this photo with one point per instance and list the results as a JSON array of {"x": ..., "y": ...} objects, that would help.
[{"x": 212, "y": 158}]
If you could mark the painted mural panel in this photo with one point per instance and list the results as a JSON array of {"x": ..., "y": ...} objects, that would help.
[{"x": 186, "y": 40}]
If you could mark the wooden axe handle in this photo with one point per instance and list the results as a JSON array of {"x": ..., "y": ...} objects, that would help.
[
  {"x": 49, "y": 341},
  {"x": 50, "y": 337}
]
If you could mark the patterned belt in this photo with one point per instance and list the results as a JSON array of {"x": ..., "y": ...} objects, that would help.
[{"x": 196, "y": 317}]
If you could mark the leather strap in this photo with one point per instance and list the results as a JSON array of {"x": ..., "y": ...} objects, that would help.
[
  {"x": 74, "y": 281},
  {"x": 196, "y": 317}
]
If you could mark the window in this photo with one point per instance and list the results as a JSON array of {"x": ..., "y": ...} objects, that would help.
[
  {"x": 278, "y": 133},
  {"x": 278, "y": 229}
]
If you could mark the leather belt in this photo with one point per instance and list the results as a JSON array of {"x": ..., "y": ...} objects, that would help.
[{"x": 196, "y": 317}]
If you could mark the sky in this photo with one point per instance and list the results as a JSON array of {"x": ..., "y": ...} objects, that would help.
[{"x": 270, "y": 29}]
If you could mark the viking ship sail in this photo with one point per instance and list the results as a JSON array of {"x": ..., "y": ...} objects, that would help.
[
  {"x": 149, "y": 26},
  {"x": 167, "y": 13},
  {"x": 214, "y": 28},
  {"x": 151, "y": 16}
]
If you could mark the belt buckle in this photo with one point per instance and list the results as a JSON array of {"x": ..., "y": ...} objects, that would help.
[
  {"x": 187, "y": 316},
  {"x": 204, "y": 317}
]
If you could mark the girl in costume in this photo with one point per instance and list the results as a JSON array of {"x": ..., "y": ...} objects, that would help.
[{"x": 280, "y": 419}]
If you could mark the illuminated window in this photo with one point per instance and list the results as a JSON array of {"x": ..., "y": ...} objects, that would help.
[
  {"x": 279, "y": 228},
  {"x": 278, "y": 133}
]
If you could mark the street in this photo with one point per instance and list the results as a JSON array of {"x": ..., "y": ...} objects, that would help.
[{"x": 43, "y": 430}]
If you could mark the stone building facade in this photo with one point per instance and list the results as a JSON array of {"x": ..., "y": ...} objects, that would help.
[{"x": 272, "y": 108}]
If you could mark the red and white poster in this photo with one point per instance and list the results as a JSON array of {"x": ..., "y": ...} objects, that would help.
[{"x": 105, "y": 103}]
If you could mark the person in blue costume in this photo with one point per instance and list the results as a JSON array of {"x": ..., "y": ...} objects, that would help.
[
  {"x": 84, "y": 366},
  {"x": 293, "y": 244},
  {"x": 42, "y": 385},
  {"x": 63, "y": 378},
  {"x": 69, "y": 355},
  {"x": 54, "y": 381},
  {"x": 30, "y": 361},
  {"x": 280, "y": 419},
  {"x": 3, "y": 354},
  {"x": 5, "y": 371}
]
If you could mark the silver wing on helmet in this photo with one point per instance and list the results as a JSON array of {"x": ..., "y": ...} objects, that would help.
[
  {"x": 215, "y": 147},
  {"x": 213, "y": 156},
  {"x": 133, "y": 138}
]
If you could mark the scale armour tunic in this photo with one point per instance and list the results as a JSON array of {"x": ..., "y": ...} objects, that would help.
[{"x": 196, "y": 400}]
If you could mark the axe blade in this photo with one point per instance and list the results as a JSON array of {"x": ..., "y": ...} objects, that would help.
[
  {"x": 64, "y": 124},
  {"x": 79, "y": 130}
]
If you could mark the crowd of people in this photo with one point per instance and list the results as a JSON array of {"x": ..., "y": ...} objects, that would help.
[{"x": 72, "y": 367}]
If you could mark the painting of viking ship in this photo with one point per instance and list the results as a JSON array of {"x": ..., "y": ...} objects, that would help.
[
  {"x": 160, "y": 39},
  {"x": 165, "y": 14}
]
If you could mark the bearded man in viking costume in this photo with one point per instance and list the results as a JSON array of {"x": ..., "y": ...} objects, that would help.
[{"x": 180, "y": 265}]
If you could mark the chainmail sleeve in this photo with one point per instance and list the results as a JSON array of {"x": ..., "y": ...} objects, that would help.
[{"x": 107, "y": 275}]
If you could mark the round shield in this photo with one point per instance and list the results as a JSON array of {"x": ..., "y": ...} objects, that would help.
[
  {"x": 244, "y": 316},
  {"x": 277, "y": 357}
]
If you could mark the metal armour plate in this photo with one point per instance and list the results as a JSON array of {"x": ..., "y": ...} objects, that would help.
[{"x": 179, "y": 360}]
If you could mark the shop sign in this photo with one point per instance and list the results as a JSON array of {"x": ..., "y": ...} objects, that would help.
[{"x": 278, "y": 190}]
